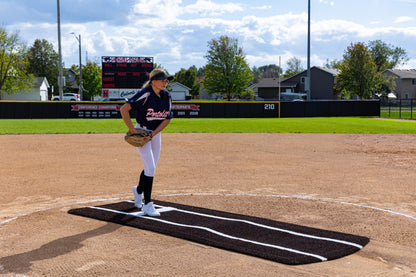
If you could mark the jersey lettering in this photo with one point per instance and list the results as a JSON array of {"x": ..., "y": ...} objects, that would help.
[{"x": 152, "y": 115}]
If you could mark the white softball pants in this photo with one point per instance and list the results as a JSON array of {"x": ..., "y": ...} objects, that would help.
[{"x": 149, "y": 154}]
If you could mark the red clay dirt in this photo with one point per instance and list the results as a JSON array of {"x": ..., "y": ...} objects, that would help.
[{"x": 358, "y": 184}]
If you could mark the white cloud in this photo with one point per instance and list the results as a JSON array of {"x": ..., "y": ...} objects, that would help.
[
  {"x": 206, "y": 7},
  {"x": 331, "y": 3},
  {"x": 264, "y": 7},
  {"x": 402, "y": 19},
  {"x": 155, "y": 12}
]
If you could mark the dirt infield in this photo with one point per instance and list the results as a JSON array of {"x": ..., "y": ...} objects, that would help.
[{"x": 358, "y": 184}]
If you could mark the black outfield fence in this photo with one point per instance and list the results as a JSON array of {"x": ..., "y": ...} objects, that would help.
[
  {"x": 400, "y": 108},
  {"x": 189, "y": 109},
  {"x": 328, "y": 108}
]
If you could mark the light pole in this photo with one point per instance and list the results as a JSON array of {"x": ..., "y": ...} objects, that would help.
[
  {"x": 308, "y": 82},
  {"x": 60, "y": 78},
  {"x": 80, "y": 66}
]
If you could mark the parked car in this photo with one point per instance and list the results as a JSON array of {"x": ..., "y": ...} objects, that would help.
[
  {"x": 114, "y": 99},
  {"x": 67, "y": 97}
]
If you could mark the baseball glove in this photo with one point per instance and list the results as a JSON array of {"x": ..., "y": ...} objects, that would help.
[{"x": 138, "y": 139}]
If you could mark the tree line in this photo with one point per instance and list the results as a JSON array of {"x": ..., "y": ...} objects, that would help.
[
  {"x": 19, "y": 64},
  {"x": 226, "y": 72}
]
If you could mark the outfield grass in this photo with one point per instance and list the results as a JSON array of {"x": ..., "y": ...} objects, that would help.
[
  {"x": 353, "y": 125},
  {"x": 395, "y": 113}
]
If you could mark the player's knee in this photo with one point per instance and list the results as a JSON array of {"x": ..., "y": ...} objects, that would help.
[{"x": 150, "y": 172}]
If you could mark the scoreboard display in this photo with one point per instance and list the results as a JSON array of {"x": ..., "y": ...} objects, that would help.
[{"x": 125, "y": 72}]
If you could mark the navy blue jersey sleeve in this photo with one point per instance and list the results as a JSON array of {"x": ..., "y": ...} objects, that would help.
[{"x": 138, "y": 98}]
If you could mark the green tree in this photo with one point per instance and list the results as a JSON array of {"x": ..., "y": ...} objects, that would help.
[
  {"x": 265, "y": 71},
  {"x": 294, "y": 66},
  {"x": 256, "y": 74},
  {"x": 200, "y": 72},
  {"x": 14, "y": 76},
  {"x": 44, "y": 62},
  {"x": 384, "y": 85},
  {"x": 91, "y": 80},
  {"x": 333, "y": 64},
  {"x": 387, "y": 56},
  {"x": 188, "y": 78},
  {"x": 358, "y": 74},
  {"x": 227, "y": 71},
  {"x": 270, "y": 71}
]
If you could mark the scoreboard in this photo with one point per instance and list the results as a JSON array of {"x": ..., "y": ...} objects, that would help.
[{"x": 121, "y": 73}]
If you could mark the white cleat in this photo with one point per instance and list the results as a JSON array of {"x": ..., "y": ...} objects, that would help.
[
  {"x": 138, "y": 198},
  {"x": 150, "y": 210}
]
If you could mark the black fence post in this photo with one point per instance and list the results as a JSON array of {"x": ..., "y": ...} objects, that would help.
[
  {"x": 400, "y": 108},
  {"x": 389, "y": 102}
]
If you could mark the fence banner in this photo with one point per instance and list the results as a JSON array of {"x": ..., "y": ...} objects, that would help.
[{"x": 195, "y": 109}]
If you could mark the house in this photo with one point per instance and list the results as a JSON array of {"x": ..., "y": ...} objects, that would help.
[
  {"x": 322, "y": 85},
  {"x": 39, "y": 92},
  {"x": 203, "y": 94},
  {"x": 268, "y": 88},
  {"x": 405, "y": 82},
  {"x": 179, "y": 92},
  {"x": 322, "y": 82}
]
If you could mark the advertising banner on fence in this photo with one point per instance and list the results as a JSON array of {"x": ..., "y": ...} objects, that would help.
[
  {"x": 96, "y": 110},
  {"x": 185, "y": 110}
]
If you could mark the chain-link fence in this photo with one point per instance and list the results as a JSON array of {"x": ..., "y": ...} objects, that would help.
[{"x": 398, "y": 108}]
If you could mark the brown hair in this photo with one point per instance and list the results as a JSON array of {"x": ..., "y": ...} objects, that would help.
[{"x": 151, "y": 75}]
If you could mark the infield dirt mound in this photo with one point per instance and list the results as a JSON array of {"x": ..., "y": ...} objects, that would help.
[{"x": 305, "y": 179}]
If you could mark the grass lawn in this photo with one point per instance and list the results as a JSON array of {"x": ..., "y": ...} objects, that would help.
[{"x": 354, "y": 125}]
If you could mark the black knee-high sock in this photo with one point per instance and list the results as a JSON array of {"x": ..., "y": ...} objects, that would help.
[
  {"x": 140, "y": 186},
  {"x": 147, "y": 188}
]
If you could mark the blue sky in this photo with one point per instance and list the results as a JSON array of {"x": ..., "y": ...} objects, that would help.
[{"x": 176, "y": 32}]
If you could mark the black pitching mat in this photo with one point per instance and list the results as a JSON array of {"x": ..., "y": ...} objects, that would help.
[{"x": 273, "y": 240}]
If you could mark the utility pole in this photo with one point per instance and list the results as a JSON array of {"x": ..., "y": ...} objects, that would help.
[
  {"x": 80, "y": 66},
  {"x": 60, "y": 79},
  {"x": 308, "y": 79},
  {"x": 280, "y": 61}
]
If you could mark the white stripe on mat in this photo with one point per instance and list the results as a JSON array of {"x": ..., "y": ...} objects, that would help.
[
  {"x": 272, "y": 228},
  {"x": 140, "y": 214}
]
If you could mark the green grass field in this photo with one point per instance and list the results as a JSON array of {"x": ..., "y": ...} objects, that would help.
[{"x": 353, "y": 125}]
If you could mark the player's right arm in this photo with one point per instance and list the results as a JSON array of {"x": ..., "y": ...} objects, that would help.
[{"x": 125, "y": 114}]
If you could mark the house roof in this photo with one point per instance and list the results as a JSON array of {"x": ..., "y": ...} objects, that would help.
[
  {"x": 179, "y": 84},
  {"x": 269, "y": 82},
  {"x": 403, "y": 73},
  {"x": 37, "y": 82},
  {"x": 333, "y": 71}
]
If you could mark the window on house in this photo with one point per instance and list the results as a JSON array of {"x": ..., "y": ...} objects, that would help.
[{"x": 414, "y": 82}]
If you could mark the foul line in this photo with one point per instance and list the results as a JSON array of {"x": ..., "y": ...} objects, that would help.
[
  {"x": 292, "y": 197},
  {"x": 60, "y": 206},
  {"x": 214, "y": 194},
  {"x": 213, "y": 231}
]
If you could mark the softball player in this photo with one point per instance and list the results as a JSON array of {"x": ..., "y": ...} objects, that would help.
[{"x": 152, "y": 106}]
